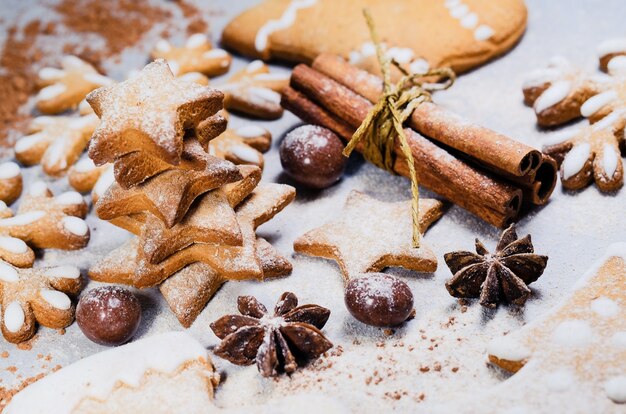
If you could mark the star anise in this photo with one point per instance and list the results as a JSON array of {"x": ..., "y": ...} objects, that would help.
[
  {"x": 275, "y": 342},
  {"x": 503, "y": 276}
]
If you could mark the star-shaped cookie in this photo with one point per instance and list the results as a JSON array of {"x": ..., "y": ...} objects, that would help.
[
  {"x": 371, "y": 235},
  {"x": 149, "y": 113}
]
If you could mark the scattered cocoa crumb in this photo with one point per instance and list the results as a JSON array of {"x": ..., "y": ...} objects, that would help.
[
  {"x": 4, "y": 354},
  {"x": 422, "y": 396},
  {"x": 368, "y": 380},
  {"x": 12, "y": 369},
  {"x": 61, "y": 331},
  {"x": 388, "y": 332},
  {"x": 424, "y": 368},
  {"x": 437, "y": 366},
  {"x": 463, "y": 309},
  {"x": 455, "y": 369}
]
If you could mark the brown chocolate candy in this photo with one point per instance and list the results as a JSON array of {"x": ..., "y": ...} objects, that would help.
[
  {"x": 108, "y": 315},
  {"x": 311, "y": 155},
  {"x": 378, "y": 299}
]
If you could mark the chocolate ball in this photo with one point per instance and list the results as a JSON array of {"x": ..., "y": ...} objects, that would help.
[
  {"x": 311, "y": 155},
  {"x": 108, "y": 315},
  {"x": 378, "y": 299}
]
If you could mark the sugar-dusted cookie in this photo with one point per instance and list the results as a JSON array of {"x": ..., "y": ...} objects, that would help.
[
  {"x": 164, "y": 373},
  {"x": 462, "y": 34},
  {"x": 189, "y": 290},
  {"x": 149, "y": 113},
  {"x": 255, "y": 91},
  {"x": 36, "y": 295},
  {"x": 47, "y": 222},
  {"x": 125, "y": 265},
  {"x": 576, "y": 352},
  {"x": 197, "y": 55},
  {"x": 10, "y": 182},
  {"x": 64, "y": 88},
  {"x": 56, "y": 142},
  {"x": 243, "y": 145},
  {"x": 168, "y": 195},
  {"x": 371, "y": 235}
]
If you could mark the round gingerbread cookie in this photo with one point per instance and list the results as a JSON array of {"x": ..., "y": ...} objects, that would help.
[{"x": 461, "y": 34}]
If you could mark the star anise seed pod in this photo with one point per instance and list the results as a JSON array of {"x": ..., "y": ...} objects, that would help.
[
  {"x": 503, "y": 276},
  {"x": 275, "y": 342}
]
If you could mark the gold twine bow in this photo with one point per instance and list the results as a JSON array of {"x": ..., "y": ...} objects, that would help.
[{"x": 384, "y": 121}]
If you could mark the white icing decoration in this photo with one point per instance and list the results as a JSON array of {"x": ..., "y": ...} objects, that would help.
[
  {"x": 104, "y": 182},
  {"x": 261, "y": 96},
  {"x": 72, "y": 62},
  {"x": 52, "y": 91},
  {"x": 419, "y": 66},
  {"x": 9, "y": 170},
  {"x": 245, "y": 153},
  {"x": 215, "y": 54},
  {"x": 98, "y": 79},
  {"x": 607, "y": 121},
  {"x": 575, "y": 160},
  {"x": 604, "y": 306},
  {"x": 618, "y": 339},
  {"x": 562, "y": 136},
  {"x": 56, "y": 299},
  {"x": 196, "y": 40},
  {"x": 174, "y": 66},
  {"x": 572, "y": 333},
  {"x": 254, "y": 66},
  {"x": 611, "y": 46},
  {"x": 615, "y": 389},
  {"x": 459, "y": 10},
  {"x": 192, "y": 77},
  {"x": 65, "y": 272},
  {"x": 610, "y": 159},
  {"x": 75, "y": 225},
  {"x": 84, "y": 165},
  {"x": 13, "y": 245},
  {"x": 50, "y": 74},
  {"x": 22, "y": 219},
  {"x": 97, "y": 375},
  {"x": 617, "y": 66},
  {"x": 553, "y": 95},
  {"x": 69, "y": 197},
  {"x": 55, "y": 154},
  {"x": 483, "y": 32},
  {"x": 250, "y": 131},
  {"x": 508, "y": 349},
  {"x": 163, "y": 46},
  {"x": 8, "y": 273},
  {"x": 27, "y": 142},
  {"x": 272, "y": 77},
  {"x": 560, "y": 380},
  {"x": 287, "y": 19},
  {"x": 452, "y": 3},
  {"x": 400, "y": 54},
  {"x": 538, "y": 77},
  {"x": 83, "y": 121},
  {"x": 597, "y": 102},
  {"x": 14, "y": 317},
  {"x": 469, "y": 21},
  {"x": 38, "y": 189}
]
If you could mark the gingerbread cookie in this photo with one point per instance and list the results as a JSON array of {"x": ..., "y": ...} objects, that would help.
[
  {"x": 577, "y": 352},
  {"x": 47, "y": 222},
  {"x": 31, "y": 296},
  {"x": 243, "y": 145},
  {"x": 55, "y": 142},
  {"x": 462, "y": 34},
  {"x": 148, "y": 113},
  {"x": 84, "y": 175},
  {"x": 168, "y": 195},
  {"x": 10, "y": 182},
  {"x": 255, "y": 91},
  {"x": 64, "y": 88},
  {"x": 165, "y": 373},
  {"x": 197, "y": 55}
]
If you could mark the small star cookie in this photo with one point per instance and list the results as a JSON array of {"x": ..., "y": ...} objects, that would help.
[
  {"x": 197, "y": 55},
  {"x": 64, "y": 88},
  {"x": 148, "y": 113},
  {"x": 36, "y": 295}
]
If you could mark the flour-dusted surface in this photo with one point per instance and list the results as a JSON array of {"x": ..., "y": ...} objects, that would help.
[{"x": 439, "y": 357}]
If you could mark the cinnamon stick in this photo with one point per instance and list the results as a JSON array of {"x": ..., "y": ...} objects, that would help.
[
  {"x": 493, "y": 201},
  {"x": 483, "y": 144}
]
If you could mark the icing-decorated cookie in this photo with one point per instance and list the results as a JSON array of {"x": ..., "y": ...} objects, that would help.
[
  {"x": 83, "y": 175},
  {"x": 38, "y": 295},
  {"x": 462, "y": 33},
  {"x": 55, "y": 142},
  {"x": 255, "y": 91},
  {"x": 577, "y": 352},
  {"x": 165, "y": 373},
  {"x": 197, "y": 55},
  {"x": 64, "y": 88},
  {"x": 243, "y": 145},
  {"x": 148, "y": 113},
  {"x": 47, "y": 222},
  {"x": 10, "y": 182}
]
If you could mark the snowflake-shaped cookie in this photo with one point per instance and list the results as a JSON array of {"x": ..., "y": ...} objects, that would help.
[
  {"x": 38, "y": 295},
  {"x": 64, "y": 88},
  {"x": 55, "y": 141}
]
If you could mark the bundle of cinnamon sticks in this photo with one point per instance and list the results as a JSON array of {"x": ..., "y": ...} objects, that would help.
[{"x": 487, "y": 173}]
